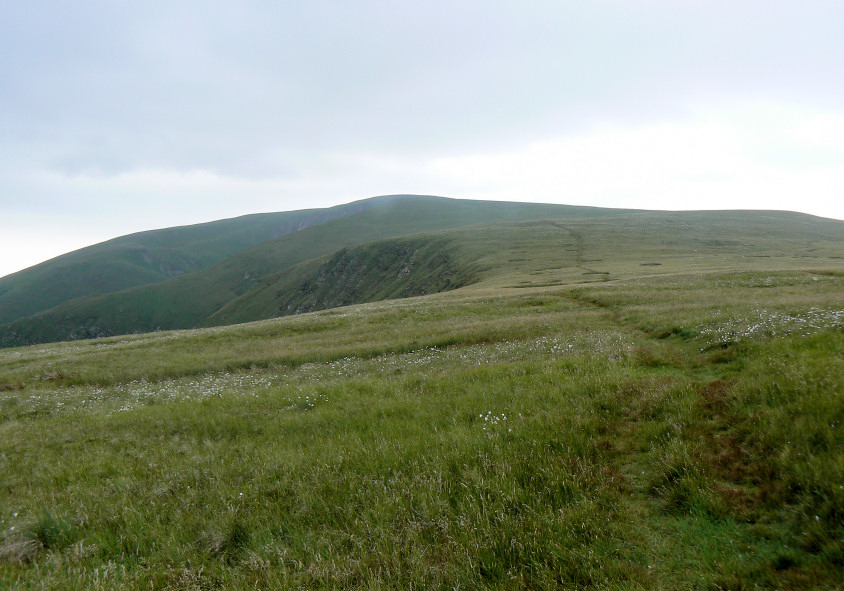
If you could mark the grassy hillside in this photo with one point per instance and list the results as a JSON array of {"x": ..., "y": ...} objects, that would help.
[
  {"x": 387, "y": 269},
  {"x": 679, "y": 430},
  {"x": 186, "y": 301},
  {"x": 531, "y": 254},
  {"x": 149, "y": 257},
  {"x": 570, "y": 245}
]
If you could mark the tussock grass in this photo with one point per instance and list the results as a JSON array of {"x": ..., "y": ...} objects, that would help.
[{"x": 580, "y": 438}]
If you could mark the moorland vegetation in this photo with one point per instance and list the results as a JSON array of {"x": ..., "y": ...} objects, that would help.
[{"x": 630, "y": 400}]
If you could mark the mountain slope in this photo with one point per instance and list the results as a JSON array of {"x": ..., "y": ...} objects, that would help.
[
  {"x": 387, "y": 269},
  {"x": 420, "y": 245},
  {"x": 543, "y": 253},
  {"x": 149, "y": 257},
  {"x": 185, "y": 301}
]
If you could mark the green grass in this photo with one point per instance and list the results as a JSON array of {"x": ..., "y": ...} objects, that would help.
[
  {"x": 335, "y": 263},
  {"x": 388, "y": 269},
  {"x": 384, "y": 248},
  {"x": 117, "y": 291},
  {"x": 148, "y": 257},
  {"x": 675, "y": 431}
]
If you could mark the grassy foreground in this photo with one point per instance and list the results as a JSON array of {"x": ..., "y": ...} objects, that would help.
[{"x": 677, "y": 432}]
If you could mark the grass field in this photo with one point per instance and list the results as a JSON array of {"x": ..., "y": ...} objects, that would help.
[
  {"x": 178, "y": 277},
  {"x": 674, "y": 431},
  {"x": 403, "y": 246}
]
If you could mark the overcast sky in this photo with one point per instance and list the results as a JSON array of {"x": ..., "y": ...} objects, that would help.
[{"x": 123, "y": 116}]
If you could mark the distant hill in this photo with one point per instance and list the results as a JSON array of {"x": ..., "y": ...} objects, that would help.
[
  {"x": 150, "y": 257},
  {"x": 541, "y": 253},
  {"x": 405, "y": 246}
]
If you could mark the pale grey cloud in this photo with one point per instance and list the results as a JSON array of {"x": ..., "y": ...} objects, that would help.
[{"x": 284, "y": 96}]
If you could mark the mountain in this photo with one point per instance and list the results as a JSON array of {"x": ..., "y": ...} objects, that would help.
[
  {"x": 416, "y": 245},
  {"x": 150, "y": 257},
  {"x": 591, "y": 399},
  {"x": 185, "y": 301},
  {"x": 541, "y": 253}
]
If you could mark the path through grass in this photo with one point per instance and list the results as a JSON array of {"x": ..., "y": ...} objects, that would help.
[{"x": 559, "y": 438}]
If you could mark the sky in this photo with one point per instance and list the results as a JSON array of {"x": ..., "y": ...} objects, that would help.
[{"x": 119, "y": 116}]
